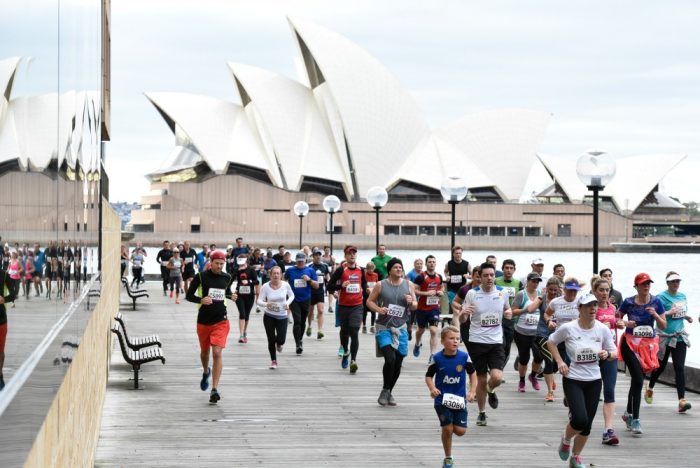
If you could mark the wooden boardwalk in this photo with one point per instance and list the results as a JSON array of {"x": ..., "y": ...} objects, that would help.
[{"x": 311, "y": 413}]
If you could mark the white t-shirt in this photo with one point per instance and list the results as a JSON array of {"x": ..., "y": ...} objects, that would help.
[
  {"x": 583, "y": 346},
  {"x": 487, "y": 317},
  {"x": 277, "y": 299},
  {"x": 564, "y": 311}
]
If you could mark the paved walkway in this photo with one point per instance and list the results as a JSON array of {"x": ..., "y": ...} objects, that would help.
[{"x": 311, "y": 413}]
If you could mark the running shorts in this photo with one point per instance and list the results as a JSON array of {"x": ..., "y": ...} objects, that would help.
[
  {"x": 449, "y": 416},
  {"x": 428, "y": 318},
  {"x": 213, "y": 335},
  {"x": 486, "y": 356}
]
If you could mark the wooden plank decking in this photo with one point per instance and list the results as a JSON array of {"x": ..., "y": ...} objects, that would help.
[{"x": 311, "y": 413}]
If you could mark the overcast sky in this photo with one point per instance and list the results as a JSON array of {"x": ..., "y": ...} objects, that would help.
[{"x": 622, "y": 76}]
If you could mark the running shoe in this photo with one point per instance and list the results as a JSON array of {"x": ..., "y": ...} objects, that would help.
[
  {"x": 353, "y": 367},
  {"x": 564, "y": 449},
  {"x": 391, "y": 400},
  {"x": 575, "y": 462},
  {"x": 371, "y": 329},
  {"x": 649, "y": 396},
  {"x": 383, "y": 397},
  {"x": 273, "y": 365},
  {"x": 610, "y": 438},
  {"x": 300, "y": 349},
  {"x": 481, "y": 419},
  {"x": 636, "y": 426},
  {"x": 521, "y": 387},
  {"x": 341, "y": 351},
  {"x": 245, "y": 339},
  {"x": 550, "y": 397},
  {"x": 448, "y": 463},
  {"x": 345, "y": 362},
  {"x": 240, "y": 340},
  {"x": 627, "y": 418},
  {"x": 364, "y": 330},
  {"x": 319, "y": 335},
  {"x": 214, "y": 396},
  {"x": 416, "y": 349},
  {"x": 280, "y": 348},
  {"x": 533, "y": 380},
  {"x": 493, "y": 400},
  {"x": 684, "y": 405},
  {"x": 308, "y": 331},
  {"x": 204, "y": 383}
]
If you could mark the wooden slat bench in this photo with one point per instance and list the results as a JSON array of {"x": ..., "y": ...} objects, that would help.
[
  {"x": 137, "y": 358},
  {"x": 134, "y": 293},
  {"x": 138, "y": 342}
]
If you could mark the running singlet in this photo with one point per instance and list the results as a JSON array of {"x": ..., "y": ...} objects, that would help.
[
  {"x": 564, "y": 311},
  {"x": 450, "y": 378},
  {"x": 455, "y": 275},
  {"x": 527, "y": 322},
  {"x": 608, "y": 318},
  {"x": 351, "y": 295},
  {"x": 394, "y": 298},
  {"x": 428, "y": 283},
  {"x": 487, "y": 316},
  {"x": 582, "y": 347},
  {"x": 644, "y": 321},
  {"x": 676, "y": 309}
]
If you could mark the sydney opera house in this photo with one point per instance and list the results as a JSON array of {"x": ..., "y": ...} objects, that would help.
[{"x": 349, "y": 125}]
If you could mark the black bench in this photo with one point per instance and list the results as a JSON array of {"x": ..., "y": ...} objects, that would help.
[
  {"x": 137, "y": 358},
  {"x": 134, "y": 293},
  {"x": 138, "y": 342}
]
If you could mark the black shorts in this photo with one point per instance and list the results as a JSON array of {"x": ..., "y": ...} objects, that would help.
[
  {"x": 486, "y": 356},
  {"x": 188, "y": 274},
  {"x": 317, "y": 299},
  {"x": 36, "y": 274},
  {"x": 350, "y": 316}
]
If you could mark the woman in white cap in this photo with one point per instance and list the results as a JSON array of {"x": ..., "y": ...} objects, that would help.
[
  {"x": 586, "y": 342},
  {"x": 639, "y": 344},
  {"x": 673, "y": 340}
]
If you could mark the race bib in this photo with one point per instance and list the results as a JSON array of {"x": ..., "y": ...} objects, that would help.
[
  {"x": 371, "y": 284},
  {"x": 188, "y": 260},
  {"x": 299, "y": 283},
  {"x": 585, "y": 354},
  {"x": 643, "y": 331},
  {"x": 680, "y": 310},
  {"x": 490, "y": 320},
  {"x": 164, "y": 262},
  {"x": 510, "y": 292},
  {"x": 432, "y": 300},
  {"x": 244, "y": 290},
  {"x": 532, "y": 319},
  {"x": 352, "y": 288},
  {"x": 275, "y": 307},
  {"x": 319, "y": 275},
  {"x": 456, "y": 279},
  {"x": 137, "y": 263},
  {"x": 396, "y": 310},
  {"x": 217, "y": 294},
  {"x": 452, "y": 401}
]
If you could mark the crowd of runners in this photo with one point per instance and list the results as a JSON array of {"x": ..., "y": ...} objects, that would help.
[{"x": 579, "y": 328}]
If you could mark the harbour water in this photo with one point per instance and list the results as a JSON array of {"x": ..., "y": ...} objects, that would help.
[{"x": 580, "y": 264}]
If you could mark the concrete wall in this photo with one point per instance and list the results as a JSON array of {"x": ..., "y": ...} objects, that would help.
[{"x": 69, "y": 434}]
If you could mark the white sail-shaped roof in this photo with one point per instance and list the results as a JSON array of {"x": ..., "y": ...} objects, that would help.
[
  {"x": 8, "y": 68},
  {"x": 635, "y": 177},
  {"x": 218, "y": 129},
  {"x": 502, "y": 143},
  {"x": 299, "y": 139},
  {"x": 381, "y": 121}
]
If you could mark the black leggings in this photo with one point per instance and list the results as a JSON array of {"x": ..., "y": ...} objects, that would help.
[
  {"x": 634, "y": 396},
  {"x": 582, "y": 397},
  {"x": 165, "y": 275},
  {"x": 508, "y": 335},
  {"x": 276, "y": 331},
  {"x": 392, "y": 366},
  {"x": 245, "y": 303},
  {"x": 351, "y": 335},
  {"x": 547, "y": 358},
  {"x": 526, "y": 344},
  {"x": 300, "y": 310},
  {"x": 137, "y": 276},
  {"x": 373, "y": 317},
  {"x": 678, "y": 355}
]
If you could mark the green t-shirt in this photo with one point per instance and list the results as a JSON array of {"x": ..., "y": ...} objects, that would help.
[
  {"x": 380, "y": 265},
  {"x": 509, "y": 287}
]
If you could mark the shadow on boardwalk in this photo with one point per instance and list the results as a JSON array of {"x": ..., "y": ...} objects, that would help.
[{"x": 310, "y": 412}]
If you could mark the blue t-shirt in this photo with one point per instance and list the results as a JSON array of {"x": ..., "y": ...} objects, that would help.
[
  {"x": 451, "y": 373},
  {"x": 674, "y": 324},
  {"x": 201, "y": 260},
  {"x": 293, "y": 275},
  {"x": 411, "y": 275},
  {"x": 39, "y": 261},
  {"x": 639, "y": 314}
]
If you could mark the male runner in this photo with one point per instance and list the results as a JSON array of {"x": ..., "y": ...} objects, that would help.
[
  {"x": 429, "y": 292},
  {"x": 318, "y": 295},
  {"x": 302, "y": 279}
]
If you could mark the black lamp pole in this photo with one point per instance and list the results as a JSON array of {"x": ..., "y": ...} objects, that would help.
[
  {"x": 332, "y": 229},
  {"x": 301, "y": 218},
  {"x": 376, "y": 243},
  {"x": 452, "y": 242},
  {"x": 596, "y": 190}
]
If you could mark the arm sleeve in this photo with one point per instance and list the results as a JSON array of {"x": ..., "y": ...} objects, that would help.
[
  {"x": 192, "y": 290},
  {"x": 432, "y": 370},
  {"x": 335, "y": 277}
]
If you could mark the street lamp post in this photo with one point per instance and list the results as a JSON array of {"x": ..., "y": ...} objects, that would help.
[
  {"x": 377, "y": 198},
  {"x": 453, "y": 191},
  {"x": 332, "y": 205},
  {"x": 301, "y": 209},
  {"x": 595, "y": 169}
]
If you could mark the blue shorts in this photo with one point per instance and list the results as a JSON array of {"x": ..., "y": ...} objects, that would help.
[
  {"x": 449, "y": 416},
  {"x": 425, "y": 318},
  {"x": 384, "y": 339}
]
